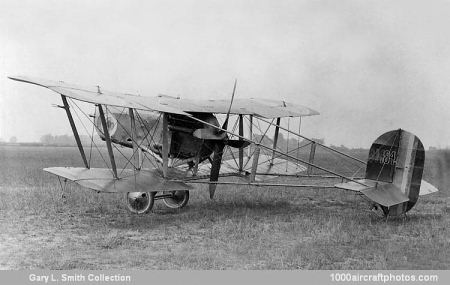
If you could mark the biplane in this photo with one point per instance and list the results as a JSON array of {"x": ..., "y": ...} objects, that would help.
[{"x": 178, "y": 143}]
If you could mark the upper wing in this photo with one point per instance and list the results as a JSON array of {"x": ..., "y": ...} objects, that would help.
[
  {"x": 257, "y": 107},
  {"x": 92, "y": 94}
]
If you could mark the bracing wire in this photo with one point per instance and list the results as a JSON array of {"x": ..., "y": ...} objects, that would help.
[{"x": 76, "y": 113}]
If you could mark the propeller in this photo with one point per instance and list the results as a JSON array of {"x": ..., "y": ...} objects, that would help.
[
  {"x": 218, "y": 149},
  {"x": 215, "y": 167},
  {"x": 225, "y": 124},
  {"x": 212, "y": 133},
  {"x": 217, "y": 161}
]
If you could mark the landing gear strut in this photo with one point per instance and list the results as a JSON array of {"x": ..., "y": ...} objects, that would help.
[{"x": 142, "y": 202}]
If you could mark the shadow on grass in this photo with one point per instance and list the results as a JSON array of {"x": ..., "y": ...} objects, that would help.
[{"x": 217, "y": 212}]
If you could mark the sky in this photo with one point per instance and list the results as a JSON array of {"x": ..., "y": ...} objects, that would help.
[{"x": 367, "y": 66}]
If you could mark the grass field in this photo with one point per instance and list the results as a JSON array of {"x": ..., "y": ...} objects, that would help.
[{"x": 243, "y": 228}]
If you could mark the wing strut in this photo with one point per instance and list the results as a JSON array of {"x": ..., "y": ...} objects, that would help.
[
  {"x": 312, "y": 153},
  {"x": 136, "y": 157},
  {"x": 241, "y": 150},
  {"x": 275, "y": 139},
  {"x": 254, "y": 164},
  {"x": 165, "y": 144},
  {"x": 108, "y": 140},
  {"x": 74, "y": 130},
  {"x": 250, "y": 134}
]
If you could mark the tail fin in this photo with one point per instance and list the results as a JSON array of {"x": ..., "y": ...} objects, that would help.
[{"x": 394, "y": 172}]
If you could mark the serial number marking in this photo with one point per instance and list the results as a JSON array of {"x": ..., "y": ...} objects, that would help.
[{"x": 384, "y": 156}]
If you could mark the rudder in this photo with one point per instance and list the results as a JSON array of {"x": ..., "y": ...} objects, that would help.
[{"x": 397, "y": 157}]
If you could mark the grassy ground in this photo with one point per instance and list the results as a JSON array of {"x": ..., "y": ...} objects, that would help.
[{"x": 242, "y": 229}]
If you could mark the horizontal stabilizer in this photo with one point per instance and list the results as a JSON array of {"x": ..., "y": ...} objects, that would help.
[
  {"x": 353, "y": 186},
  {"x": 383, "y": 193},
  {"x": 101, "y": 179},
  {"x": 386, "y": 195},
  {"x": 426, "y": 188}
]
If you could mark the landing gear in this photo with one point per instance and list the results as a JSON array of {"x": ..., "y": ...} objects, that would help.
[
  {"x": 140, "y": 202},
  {"x": 177, "y": 200}
]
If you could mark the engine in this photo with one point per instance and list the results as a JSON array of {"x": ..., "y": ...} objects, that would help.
[{"x": 182, "y": 144}]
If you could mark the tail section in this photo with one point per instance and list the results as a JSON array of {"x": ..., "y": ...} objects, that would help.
[{"x": 394, "y": 173}]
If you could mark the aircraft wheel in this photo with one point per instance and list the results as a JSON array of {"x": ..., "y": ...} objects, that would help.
[
  {"x": 140, "y": 202},
  {"x": 178, "y": 200}
]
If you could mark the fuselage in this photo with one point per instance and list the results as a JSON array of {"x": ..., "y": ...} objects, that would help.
[{"x": 148, "y": 132}]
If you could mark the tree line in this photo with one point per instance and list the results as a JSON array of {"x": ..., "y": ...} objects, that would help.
[{"x": 65, "y": 140}]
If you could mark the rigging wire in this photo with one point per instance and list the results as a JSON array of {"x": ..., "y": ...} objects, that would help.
[
  {"x": 76, "y": 113},
  {"x": 102, "y": 132},
  {"x": 92, "y": 137}
]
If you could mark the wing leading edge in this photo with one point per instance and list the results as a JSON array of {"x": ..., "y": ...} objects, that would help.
[
  {"x": 93, "y": 94},
  {"x": 96, "y": 95}
]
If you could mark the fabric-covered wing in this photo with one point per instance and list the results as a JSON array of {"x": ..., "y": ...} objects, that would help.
[
  {"x": 101, "y": 179},
  {"x": 162, "y": 103},
  {"x": 257, "y": 107}
]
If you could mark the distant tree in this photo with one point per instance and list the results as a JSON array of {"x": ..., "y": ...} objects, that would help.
[
  {"x": 47, "y": 139},
  {"x": 13, "y": 139},
  {"x": 343, "y": 147},
  {"x": 64, "y": 140}
]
